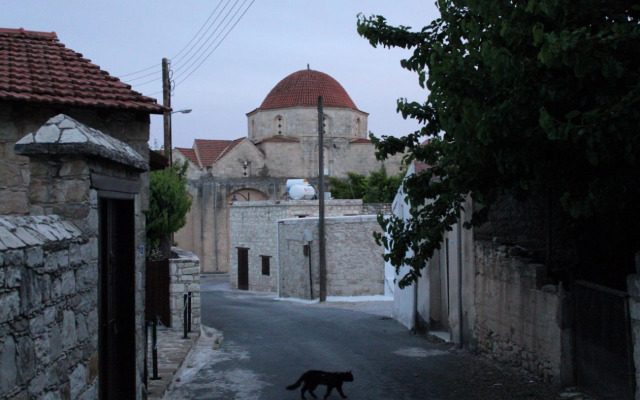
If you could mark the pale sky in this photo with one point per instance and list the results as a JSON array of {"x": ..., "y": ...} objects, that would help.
[{"x": 274, "y": 39}]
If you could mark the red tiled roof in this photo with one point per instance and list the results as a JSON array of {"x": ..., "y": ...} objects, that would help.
[
  {"x": 210, "y": 151},
  {"x": 302, "y": 88},
  {"x": 361, "y": 141},
  {"x": 36, "y": 67},
  {"x": 190, "y": 154},
  {"x": 281, "y": 139}
]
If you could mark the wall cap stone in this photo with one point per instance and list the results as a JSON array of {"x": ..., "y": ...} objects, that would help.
[
  {"x": 18, "y": 232},
  {"x": 64, "y": 136}
]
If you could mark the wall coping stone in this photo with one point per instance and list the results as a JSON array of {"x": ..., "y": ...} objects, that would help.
[
  {"x": 183, "y": 255},
  {"x": 296, "y": 203},
  {"x": 64, "y": 136},
  {"x": 18, "y": 232},
  {"x": 351, "y": 219}
]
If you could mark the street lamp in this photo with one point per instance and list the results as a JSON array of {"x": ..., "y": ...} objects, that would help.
[
  {"x": 247, "y": 197},
  {"x": 183, "y": 111},
  {"x": 167, "y": 132}
]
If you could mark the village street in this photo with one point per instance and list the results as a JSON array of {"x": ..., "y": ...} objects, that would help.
[{"x": 263, "y": 345}]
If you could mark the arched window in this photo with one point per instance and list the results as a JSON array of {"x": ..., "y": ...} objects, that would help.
[{"x": 357, "y": 127}]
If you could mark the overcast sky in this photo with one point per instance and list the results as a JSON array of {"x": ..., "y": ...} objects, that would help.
[{"x": 274, "y": 39}]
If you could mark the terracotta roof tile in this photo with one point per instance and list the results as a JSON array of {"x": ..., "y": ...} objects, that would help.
[
  {"x": 302, "y": 88},
  {"x": 210, "y": 151},
  {"x": 361, "y": 140},
  {"x": 190, "y": 154},
  {"x": 36, "y": 67},
  {"x": 280, "y": 139}
]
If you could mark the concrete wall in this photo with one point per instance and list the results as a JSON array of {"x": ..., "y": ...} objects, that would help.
[
  {"x": 184, "y": 271},
  {"x": 517, "y": 321},
  {"x": 253, "y": 225},
  {"x": 354, "y": 261},
  {"x": 633, "y": 287},
  {"x": 48, "y": 309}
]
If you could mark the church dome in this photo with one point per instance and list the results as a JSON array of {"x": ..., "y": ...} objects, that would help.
[{"x": 302, "y": 88}]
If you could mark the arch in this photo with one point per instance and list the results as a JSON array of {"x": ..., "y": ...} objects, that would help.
[{"x": 246, "y": 194}]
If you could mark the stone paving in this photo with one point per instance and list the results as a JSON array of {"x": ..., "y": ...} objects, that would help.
[{"x": 172, "y": 351}]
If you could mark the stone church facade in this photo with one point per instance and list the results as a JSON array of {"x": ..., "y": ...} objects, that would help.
[{"x": 282, "y": 143}]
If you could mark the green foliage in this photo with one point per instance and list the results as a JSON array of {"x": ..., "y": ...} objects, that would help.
[
  {"x": 540, "y": 96},
  {"x": 378, "y": 187},
  {"x": 169, "y": 203}
]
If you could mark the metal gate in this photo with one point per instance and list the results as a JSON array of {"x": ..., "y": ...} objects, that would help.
[
  {"x": 604, "y": 349},
  {"x": 157, "y": 291}
]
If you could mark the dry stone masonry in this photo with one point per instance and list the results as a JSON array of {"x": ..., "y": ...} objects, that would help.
[
  {"x": 185, "y": 277},
  {"x": 48, "y": 310}
]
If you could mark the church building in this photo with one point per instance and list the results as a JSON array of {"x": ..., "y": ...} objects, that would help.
[{"x": 282, "y": 143}]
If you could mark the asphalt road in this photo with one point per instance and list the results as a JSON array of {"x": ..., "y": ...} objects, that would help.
[{"x": 263, "y": 345}]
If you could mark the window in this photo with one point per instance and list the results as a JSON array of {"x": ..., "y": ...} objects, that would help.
[
  {"x": 266, "y": 265},
  {"x": 279, "y": 125}
]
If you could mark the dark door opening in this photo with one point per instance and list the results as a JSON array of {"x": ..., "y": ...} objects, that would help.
[
  {"x": 116, "y": 299},
  {"x": 243, "y": 268}
]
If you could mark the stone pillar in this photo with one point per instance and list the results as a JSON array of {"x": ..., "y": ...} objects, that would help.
[{"x": 72, "y": 165}]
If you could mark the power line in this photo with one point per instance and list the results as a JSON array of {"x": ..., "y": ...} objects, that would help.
[
  {"x": 221, "y": 40},
  {"x": 177, "y": 54},
  {"x": 212, "y": 33},
  {"x": 200, "y": 30}
]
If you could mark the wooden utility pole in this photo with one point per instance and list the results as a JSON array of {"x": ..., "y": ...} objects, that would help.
[
  {"x": 321, "y": 247},
  {"x": 166, "y": 101}
]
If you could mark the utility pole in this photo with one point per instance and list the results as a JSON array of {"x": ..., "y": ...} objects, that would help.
[
  {"x": 166, "y": 101},
  {"x": 321, "y": 247}
]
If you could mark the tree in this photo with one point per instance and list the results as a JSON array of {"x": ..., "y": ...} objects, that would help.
[
  {"x": 169, "y": 203},
  {"x": 530, "y": 98},
  {"x": 378, "y": 187}
]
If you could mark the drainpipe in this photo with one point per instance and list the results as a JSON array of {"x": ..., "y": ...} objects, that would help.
[{"x": 460, "y": 345}]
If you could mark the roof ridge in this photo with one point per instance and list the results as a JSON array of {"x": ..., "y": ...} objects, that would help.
[{"x": 22, "y": 31}]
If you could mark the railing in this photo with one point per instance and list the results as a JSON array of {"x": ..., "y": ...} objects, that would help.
[{"x": 186, "y": 324}]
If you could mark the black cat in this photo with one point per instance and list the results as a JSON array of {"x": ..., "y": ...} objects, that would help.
[{"x": 312, "y": 379}]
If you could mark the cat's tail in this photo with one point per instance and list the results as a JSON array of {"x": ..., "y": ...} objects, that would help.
[{"x": 295, "y": 385}]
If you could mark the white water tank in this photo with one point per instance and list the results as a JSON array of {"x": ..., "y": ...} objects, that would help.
[{"x": 302, "y": 192}]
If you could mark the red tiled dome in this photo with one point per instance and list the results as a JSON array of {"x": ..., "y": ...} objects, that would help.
[{"x": 302, "y": 88}]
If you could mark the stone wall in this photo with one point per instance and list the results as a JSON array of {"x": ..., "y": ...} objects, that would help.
[
  {"x": 17, "y": 120},
  {"x": 633, "y": 286},
  {"x": 355, "y": 266},
  {"x": 184, "y": 271},
  {"x": 67, "y": 161},
  {"x": 518, "y": 321},
  {"x": 300, "y": 121},
  {"x": 252, "y": 225},
  {"x": 48, "y": 309}
]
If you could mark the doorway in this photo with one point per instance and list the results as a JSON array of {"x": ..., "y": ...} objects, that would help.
[
  {"x": 116, "y": 298},
  {"x": 243, "y": 268}
]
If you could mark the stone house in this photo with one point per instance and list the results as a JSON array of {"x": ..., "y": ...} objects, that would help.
[
  {"x": 73, "y": 188},
  {"x": 488, "y": 290},
  {"x": 257, "y": 260},
  {"x": 282, "y": 143}
]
